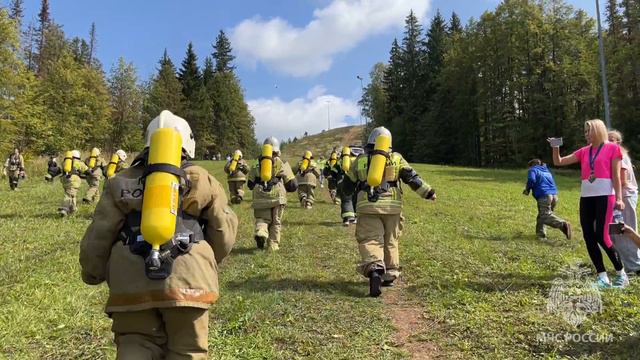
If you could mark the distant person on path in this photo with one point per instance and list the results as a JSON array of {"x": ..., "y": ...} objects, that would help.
[
  {"x": 236, "y": 170},
  {"x": 375, "y": 178},
  {"x": 600, "y": 192},
  {"x": 540, "y": 180},
  {"x": 160, "y": 309},
  {"x": 14, "y": 168},
  {"x": 629, "y": 252}
]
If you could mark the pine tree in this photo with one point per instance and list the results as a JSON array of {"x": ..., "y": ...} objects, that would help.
[
  {"x": 222, "y": 54},
  {"x": 208, "y": 71},
  {"x": 432, "y": 145},
  {"x": 232, "y": 119},
  {"x": 16, "y": 11},
  {"x": 374, "y": 100},
  {"x": 189, "y": 74},
  {"x": 92, "y": 42},
  {"x": 30, "y": 46},
  {"x": 393, "y": 84},
  {"x": 126, "y": 104},
  {"x": 455, "y": 26},
  {"x": 164, "y": 91},
  {"x": 44, "y": 23}
]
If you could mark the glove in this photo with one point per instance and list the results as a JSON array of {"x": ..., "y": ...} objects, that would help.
[{"x": 525, "y": 192}]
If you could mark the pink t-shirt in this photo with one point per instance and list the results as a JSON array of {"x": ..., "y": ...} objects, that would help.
[{"x": 603, "y": 185}]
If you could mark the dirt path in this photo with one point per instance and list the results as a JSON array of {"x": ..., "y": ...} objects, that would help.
[{"x": 409, "y": 320}]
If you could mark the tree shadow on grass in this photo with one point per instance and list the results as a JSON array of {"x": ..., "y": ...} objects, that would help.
[
  {"x": 494, "y": 282},
  {"x": 261, "y": 283},
  {"x": 509, "y": 282},
  {"x": 246, "y": 251},
  {"x": 47, "y": 215}
]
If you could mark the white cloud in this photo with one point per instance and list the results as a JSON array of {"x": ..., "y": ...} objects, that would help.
[
  {"x": 336, "y": 28},
  {"x": 275, "y": 117}
]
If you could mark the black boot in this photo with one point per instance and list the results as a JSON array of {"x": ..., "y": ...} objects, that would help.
[
  {"x": 375, "y": 280},
  {"x": 260, "y": 241}
]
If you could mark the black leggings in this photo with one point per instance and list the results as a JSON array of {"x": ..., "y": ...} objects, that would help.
[{"x": 595, "y": 216}]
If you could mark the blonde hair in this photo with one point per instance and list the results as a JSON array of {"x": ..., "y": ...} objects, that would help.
[
  {"x": 617, "y": 136},
  {"x": 597, "y": 130}
]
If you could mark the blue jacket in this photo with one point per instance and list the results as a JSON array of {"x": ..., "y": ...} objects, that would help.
[{"x": 541, "y": 181}]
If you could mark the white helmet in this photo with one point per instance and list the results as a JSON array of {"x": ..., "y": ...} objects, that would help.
[
  {"x": 121, "y": 154},
  {"x": 75, "y": 154},
  {"x": 166, "y": 119},
  {"x": 275, "y": 144},
  {"x": 239, "y": 153},
  {"x": 381, "y": 130}
]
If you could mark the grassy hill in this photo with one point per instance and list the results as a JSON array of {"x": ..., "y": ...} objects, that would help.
[
  {"x": 323, "y": 143},
  {"x": 476, "y": 282}
]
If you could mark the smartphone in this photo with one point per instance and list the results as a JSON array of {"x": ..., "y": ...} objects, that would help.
[
  {"x": 555, "y": 142},
  {"x": 616, "y": 228}
]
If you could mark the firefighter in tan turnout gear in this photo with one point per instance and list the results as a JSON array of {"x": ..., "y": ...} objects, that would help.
[
  {"x": 376, "y": 177},
  {"x": 270, "y": 179},
  {"x": 307, "y": 174},
  {"x": 236, "y": 170},
  {"x": 96, "y": 165},
  {"x": 159, "y": 293},
  {"x": 14, "y": 168},
  {"x": 73, "y": 169}
]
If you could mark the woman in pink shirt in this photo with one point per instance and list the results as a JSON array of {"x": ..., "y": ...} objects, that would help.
[{"x": 600, "y": 192}]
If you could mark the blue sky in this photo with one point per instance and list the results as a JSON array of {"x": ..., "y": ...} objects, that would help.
[{"x": 297, "y": 59}]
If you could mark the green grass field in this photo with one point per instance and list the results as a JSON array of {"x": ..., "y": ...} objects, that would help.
[{"x": 475, "y": 284}]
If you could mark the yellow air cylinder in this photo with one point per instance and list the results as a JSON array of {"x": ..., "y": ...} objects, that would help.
[
  {"x": 306, "y": 161},
  {"x": 378, "y": 161},
  {"x": 161, "y": 190},
  {"x": 92, "y": 158},
  {"x": 67, "y": 164},
  {"x": 346, "y": 159},
  {"x": 266, "y": 162},
  {"x": 333, "y": 158},
  {"x": 234, "y": 162},
  {"x": 111, "y": 168}
]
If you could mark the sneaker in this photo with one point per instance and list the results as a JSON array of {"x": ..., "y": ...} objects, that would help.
[
  {"x": 86, "y": 201},
  {"x": 601, "y": 284},
  {"x": 62, "y": 212},
  {"x": 566, "y": 230},
  {"x": 353, "y": 221},
  {"x": 345, "y": 222},
  {"x": 260, "y": 241},
  {"x": 375, "y": 280},
  {"x": 620, "y": 281}
]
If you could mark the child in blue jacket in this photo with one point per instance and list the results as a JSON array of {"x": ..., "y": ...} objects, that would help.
[{"x": 540, "y": 180}]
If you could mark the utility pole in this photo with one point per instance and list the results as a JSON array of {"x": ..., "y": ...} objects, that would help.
[{"x": 603, "y": 70}]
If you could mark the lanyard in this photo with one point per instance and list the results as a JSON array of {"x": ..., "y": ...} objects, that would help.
[{"x": 592, "y": 159}]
